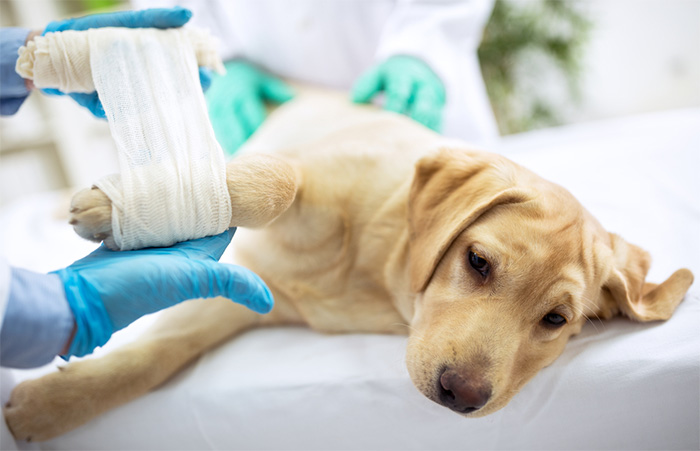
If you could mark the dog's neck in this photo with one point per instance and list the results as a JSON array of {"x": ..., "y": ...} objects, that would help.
[
  {"x": 396, "y": 274},
  {"x": 397, "y": 279}
]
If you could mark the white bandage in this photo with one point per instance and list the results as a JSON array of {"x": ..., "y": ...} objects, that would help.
[
  {"x": 172, "y": 185},
  {"x": 62, "y": 60}
]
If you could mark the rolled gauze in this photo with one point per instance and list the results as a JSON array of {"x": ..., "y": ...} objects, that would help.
[
  {"x": 62, "y": 60},
  {"x": 172, "y": 185}
]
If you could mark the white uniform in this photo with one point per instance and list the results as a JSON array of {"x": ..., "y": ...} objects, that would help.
[{"x": 332, "y": 43}]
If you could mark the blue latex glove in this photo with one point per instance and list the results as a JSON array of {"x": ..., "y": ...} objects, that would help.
[
  {"x": 237, "y": 102},
  {"x": 147, "y": 18},
  {"x": 410, "y": 86},
  {"x": 108, "y": 290}
]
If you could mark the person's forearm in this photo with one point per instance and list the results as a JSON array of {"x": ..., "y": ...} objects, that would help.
[{"x": 38, "y": 323}]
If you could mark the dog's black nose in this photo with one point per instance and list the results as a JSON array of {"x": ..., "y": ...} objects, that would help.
[{"x": 462, "y": 392}]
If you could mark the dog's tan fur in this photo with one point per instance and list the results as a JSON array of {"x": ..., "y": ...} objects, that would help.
[{"x": 378, "y": 239}]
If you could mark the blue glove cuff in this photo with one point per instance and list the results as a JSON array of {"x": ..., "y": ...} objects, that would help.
[{"x": 93, "y": 326}]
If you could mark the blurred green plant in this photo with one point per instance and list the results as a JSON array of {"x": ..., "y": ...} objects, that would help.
[
  {"x": 527, "y": 44},
  {"x": 77, "y": 8},
  {"x": 98, "y": 5}
]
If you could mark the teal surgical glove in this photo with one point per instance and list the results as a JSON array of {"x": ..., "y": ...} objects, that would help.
[
  {"x": 147, "y": 18},
  {"x": 237, "y": 102},
  {"x": 410, "y": 86},
  {"x": 108, "y": 290}
]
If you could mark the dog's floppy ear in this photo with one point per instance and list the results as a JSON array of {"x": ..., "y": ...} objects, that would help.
[
  {"x": 626, "y": 288},
  {"x": 451, "y": 189}
]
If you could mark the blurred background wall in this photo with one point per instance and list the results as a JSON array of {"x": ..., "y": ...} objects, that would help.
[
  {"x": 546, "y": 63},
  {"x": 643, "y": 55},
  {"x": 551, "y": 62}
]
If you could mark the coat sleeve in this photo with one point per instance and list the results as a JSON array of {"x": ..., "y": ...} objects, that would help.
[
  {"x": 4, "y": 287},
  {"x": 445, "y": 35},
  {"x": 13, "y": 91},
  {"x": 37, "y": 319}
]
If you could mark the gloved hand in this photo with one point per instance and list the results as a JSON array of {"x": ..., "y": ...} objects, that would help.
[
  {"x": 147, "y": 18},
  {"x": 237, "y": 102},
  {"x": 410, "y": 86},
  {"x": 107, "y": 290}
]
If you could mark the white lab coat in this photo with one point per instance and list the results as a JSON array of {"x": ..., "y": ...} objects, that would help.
[{"x": 331, "y": 43}]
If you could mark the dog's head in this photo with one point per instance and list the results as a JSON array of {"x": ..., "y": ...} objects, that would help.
[{"x": 508, "y": 266}]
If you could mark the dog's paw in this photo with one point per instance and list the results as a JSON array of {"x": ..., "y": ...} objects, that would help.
[
  {"x": 91, "y": 216},
  {"x": 44, "y": 408}
]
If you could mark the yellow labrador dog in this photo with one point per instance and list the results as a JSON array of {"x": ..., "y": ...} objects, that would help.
[{"x": 368, "y": 222}]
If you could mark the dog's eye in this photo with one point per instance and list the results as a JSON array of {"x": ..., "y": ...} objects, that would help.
[
  {"x": 553, "y": 320},
  {"x": 479, "y": 264}
]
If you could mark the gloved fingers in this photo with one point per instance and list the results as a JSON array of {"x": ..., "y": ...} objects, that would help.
[
  {"x": 52, "y": 92},
  {"x": 158, "y": 18},
  {"x": 251, "y": 113},
  {"x": 233, "y": 137},
  {"x": 59, "y": 25},
  {"x": 428, "y": 116},
  {"x": 234, "y": 282},
  {"x": 224, "y": 105},
  {"x": 207, "y": 248},
  {"x": 147, "y": 18},
  {"x": 367, "y": 86},
  {"x": 204, "y": 78},
  {"x": 399, "y": 94},
  {"x": 427, "y": 108},
  {"x": 229, "y": 130},
  {"x": 275, "y": 90},
  {"x": 242, "y": 125},
  {"x": 218, "y": 96},
  {"x": 91, "y": 102}
]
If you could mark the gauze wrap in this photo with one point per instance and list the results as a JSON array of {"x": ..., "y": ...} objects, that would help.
[{"x": 172, "y": 185}]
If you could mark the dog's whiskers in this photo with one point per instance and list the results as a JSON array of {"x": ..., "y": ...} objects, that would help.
[{"x": 588, "y": 310}]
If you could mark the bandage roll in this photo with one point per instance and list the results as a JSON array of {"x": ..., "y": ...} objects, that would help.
[
  {"x": 62, "y": 60},
  {"x": 172, "y": 181}
]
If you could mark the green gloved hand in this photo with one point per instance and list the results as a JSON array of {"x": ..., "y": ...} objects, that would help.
[
  {"x": 411, "y": 88},
  {"x": 237, "y": 102}
]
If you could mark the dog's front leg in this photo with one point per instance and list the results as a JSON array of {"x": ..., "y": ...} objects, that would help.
[
  {"x": 54, "y": 404},
  {"x": 261, "y": 187}
]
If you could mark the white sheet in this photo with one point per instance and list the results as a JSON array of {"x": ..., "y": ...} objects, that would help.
[{"x": 618, "y": 385}]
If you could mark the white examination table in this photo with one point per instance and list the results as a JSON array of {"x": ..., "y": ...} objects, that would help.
[{"x": 618, "y": 385}]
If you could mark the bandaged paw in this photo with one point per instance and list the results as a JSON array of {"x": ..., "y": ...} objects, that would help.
[
  {"x": 172, "y": 185},
  {"x": 261, "y": 187}
]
